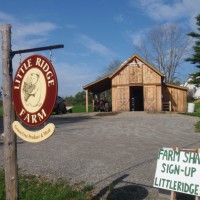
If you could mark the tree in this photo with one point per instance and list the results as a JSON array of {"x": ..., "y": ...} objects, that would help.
[
  {"x": 78, "y": 99},
  {"x": 195, "y": 59},
  {"x": 164, "y": 47},
  {"x": 111, "y": 68},
  {"x": 70, "y": 100}
]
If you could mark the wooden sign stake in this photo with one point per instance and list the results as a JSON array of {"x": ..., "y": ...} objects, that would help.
[
  {"x": 173, "y": 193},
  {"x": 197, "y": 198}
]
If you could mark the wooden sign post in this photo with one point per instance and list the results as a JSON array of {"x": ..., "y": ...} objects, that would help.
[{"x": 9, "y": 137}]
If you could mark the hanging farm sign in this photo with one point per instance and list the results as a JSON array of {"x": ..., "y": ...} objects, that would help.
[
  {"x": 34, "y": 94},
  {"x": 178, "y": 171}
]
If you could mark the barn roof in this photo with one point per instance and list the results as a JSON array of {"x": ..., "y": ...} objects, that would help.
[
  {"x": 133, "y": 57},
  {"x": 104, "y": 83},
  {"x": 176, "y": 86},
  {"x": 99, "y": 85}
]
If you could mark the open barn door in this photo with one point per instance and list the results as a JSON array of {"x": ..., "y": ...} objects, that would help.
[{"x": 136, "y": 98}]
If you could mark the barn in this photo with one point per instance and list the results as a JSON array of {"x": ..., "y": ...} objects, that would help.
[{"x": 138, "y": 86}]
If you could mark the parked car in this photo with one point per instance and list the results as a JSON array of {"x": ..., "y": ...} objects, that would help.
[{"x": 60, "y": 106}]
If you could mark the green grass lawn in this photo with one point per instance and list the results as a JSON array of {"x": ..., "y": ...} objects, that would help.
[
  {"x": 81, "y": 108},
  {"x": 34, "y": 188},
  {"x": 196, "y": 113},
  {"x": 197, "y": 107}
]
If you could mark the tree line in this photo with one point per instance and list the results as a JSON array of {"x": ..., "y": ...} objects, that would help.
[{"x": 78, "y": 99}]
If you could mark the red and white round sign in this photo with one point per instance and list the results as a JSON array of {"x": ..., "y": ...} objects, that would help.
[{"x": 34, "y": 90}]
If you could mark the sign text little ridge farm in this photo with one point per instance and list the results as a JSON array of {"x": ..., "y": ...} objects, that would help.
[
  {"x": 178, "y": 171},
  {"x": 34, "y": 90}
]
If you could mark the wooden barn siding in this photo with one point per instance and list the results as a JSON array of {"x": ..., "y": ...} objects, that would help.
[
  {"x": 159, "y": 97},
  {"x": 178, "y": 98},
  {"x": 152, "y": 98},
  {"x": 150, "y": 76},
  {"x": 122, "y": 77},
  {"x": 120, "y": 98},
  {"x": 136, "y": 75}
]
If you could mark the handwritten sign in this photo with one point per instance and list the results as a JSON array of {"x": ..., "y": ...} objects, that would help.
[{"x": 178, "y": 171}]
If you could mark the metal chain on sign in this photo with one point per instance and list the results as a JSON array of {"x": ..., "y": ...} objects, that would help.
[
  {"x": 20, "y": 58},
  {"x": 50, "y": 56}
]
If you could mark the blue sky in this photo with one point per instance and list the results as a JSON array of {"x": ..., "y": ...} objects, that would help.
[{"x": 94, "y": 33}]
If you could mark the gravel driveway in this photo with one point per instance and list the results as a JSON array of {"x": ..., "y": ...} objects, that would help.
[{"x": 108, "y": 150}]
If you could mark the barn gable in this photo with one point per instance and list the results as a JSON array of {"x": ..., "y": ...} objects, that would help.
[
  {"x": 136, "y": 85},
  {"x": 136, "y": 61}
]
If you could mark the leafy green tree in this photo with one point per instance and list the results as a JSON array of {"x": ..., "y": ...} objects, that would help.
[
  {"x": 70, "y": 100},
  {"x": 78, "y": 99},
  {"x": 195, "y": 59}
]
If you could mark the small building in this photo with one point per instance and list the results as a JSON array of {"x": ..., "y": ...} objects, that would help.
[
  {"x": 138, "y": 86},
  {"x": 192, "y": 89}
]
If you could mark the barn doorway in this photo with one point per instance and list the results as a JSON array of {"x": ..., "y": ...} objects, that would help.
[{"x": 136, "y": 98}]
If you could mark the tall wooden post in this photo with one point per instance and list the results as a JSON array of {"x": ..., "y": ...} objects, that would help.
[
  {"x": 9, "y": 138},
  {"x": 86, "y": 99},
  {"x": 93, "y": 100}
]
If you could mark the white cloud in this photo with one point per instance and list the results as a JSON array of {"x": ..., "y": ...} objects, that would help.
[
  {"x": 161, "y": 10},
  {"x": 27, "y": 35},
  {"x": 72, "y": 77},
  {"x": 71, "y": 26},
  {"x": 35, "y": 29},
  {"x": 119, "y": 18},
  {"x": 5, "y": 18},
  {"x": 136, "y": 37},
  {"x": 94, "y": 46}
]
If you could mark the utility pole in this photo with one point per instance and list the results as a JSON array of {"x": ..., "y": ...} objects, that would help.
[{"x": 8, "y": 136}]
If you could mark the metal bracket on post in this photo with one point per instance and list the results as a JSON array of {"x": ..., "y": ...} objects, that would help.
[{"x": 12, "y": 53}]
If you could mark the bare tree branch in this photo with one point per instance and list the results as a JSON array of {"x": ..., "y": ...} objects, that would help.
[{"x": 165, "y": 48}]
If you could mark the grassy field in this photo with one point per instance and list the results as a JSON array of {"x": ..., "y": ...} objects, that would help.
[
  {"x": 81, "y": 108},
  {"x": 196, "y": 112},
  {"x": 34, "y": 188},
  {"x": 197, "y": 107}
]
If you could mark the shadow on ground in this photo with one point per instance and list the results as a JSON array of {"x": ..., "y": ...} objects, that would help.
[
  {"x": 69, "y": 119},
  {"x": 60, "y": 120},
  {"x": 181, "y": 196},
  {"x": 127, "y": 192},
  {"x": 103, "y": 114}
]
